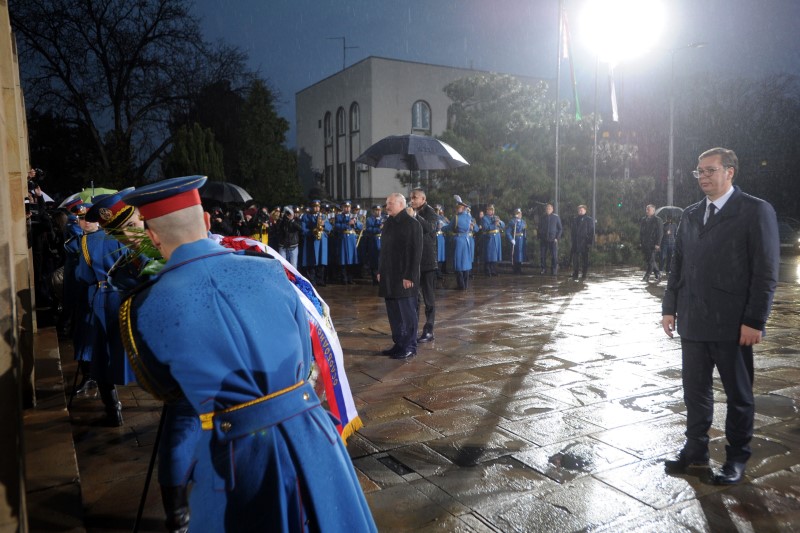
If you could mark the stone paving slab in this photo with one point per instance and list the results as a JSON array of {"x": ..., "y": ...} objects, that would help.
[{"x": 543, "y": 405}]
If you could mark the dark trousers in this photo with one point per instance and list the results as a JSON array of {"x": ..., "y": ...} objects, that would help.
[
  {"x": 735, "y": 366},
  {"x": 427, "y": 282},
  {"x": 666, "y": 257},
  {"x": 544, "y": 248},
  {"x": 580, "y": 261},
  {"x": 402, "y": 313},
  {"x": 651, "y": 262},
  {"x": 462, "y": 279}
]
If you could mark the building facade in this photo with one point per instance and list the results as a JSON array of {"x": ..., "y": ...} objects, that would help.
[{"x": 342, "y": 115}]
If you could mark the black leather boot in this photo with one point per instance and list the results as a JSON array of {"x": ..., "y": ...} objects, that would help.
[
  {"x": 87, "y": 383},
  {"x": 176, "y": 507},
  {"x": 108, "y": 393}
]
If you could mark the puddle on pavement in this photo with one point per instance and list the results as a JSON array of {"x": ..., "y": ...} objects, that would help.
[
  {"x": 776, "y": 406},
  {"x": 569, "y": 459}
]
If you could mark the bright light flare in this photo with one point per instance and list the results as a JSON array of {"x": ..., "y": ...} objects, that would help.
[{"x": 617, "y": 30}]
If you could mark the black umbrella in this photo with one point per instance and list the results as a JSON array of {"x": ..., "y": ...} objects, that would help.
[
  {"x": 669, "y": 211},
  {"x": 224, "y": 192},
  {"x": 411, "y": 152}
]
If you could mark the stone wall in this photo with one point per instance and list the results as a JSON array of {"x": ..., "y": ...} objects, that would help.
[{"x": 17, "y": 322}]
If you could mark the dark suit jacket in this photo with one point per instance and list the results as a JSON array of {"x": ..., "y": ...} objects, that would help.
[
  {"x": 724, "y": 273},
  {"x": 429, "y": 221},
  {"x": 401, "y": 251}
]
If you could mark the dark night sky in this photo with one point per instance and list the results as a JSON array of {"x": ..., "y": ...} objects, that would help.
[{"x": 287, "y": 40}]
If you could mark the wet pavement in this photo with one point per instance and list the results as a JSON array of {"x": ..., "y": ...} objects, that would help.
[{"x": 544, "y": 404}]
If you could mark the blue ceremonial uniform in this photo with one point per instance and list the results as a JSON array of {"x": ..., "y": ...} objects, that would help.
[
  {"x": 348, "y": 234},
  {"x": 441, "y": 254},
  {"x": 315, "y": 242},
  {"x": 277, "y": 460},
  {"x": 462, "y": 250},
  {"x": 492, "y": 229},
  {"x": 515, "y": 232},
  {"x": 98, "y": 254},
  {"x": 372, "y": 234}
]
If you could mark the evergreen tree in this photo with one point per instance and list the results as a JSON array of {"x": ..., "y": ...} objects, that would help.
[{"x": 194, "y": 151}]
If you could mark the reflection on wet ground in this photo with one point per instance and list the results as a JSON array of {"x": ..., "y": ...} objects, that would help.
[{"x": 544, "y": 404}]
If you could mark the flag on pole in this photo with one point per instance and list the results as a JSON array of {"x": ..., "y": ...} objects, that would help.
[
  {"x": 613, "y": 91},
  {"x": 566, "y": 53}
]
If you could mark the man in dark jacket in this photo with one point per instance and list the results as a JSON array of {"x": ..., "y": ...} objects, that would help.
[
  {"x": 651, "y": 229},
  {"x": 720, "y": 290},
  {"x": 429, "y": 220},
  {"x": 582, "y": 239},
  {"x": 398, "y": 275},
  {"x": 288, "y": 231},
  {"x": 550, "y": 231}
]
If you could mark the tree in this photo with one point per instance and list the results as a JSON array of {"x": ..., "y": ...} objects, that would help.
[
  {"x": 118, "y": 70},
  {"x": 505, "y": 129},
  {"x": 266, "y": 168},
  {"x": 194, "y": 151}
]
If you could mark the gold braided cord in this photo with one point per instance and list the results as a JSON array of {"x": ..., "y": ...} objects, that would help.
[
  {"x": 143, "y": 376},
  {"x": 85, "y": 250},
  {"x": 207, "y": 419}
]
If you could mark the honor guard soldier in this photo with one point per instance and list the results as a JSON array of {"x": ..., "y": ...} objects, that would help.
[
  {"x": 347, "y": 228},
  {"x": 492, "y": 228},
  {"x": 372, "y": 232},
  {"x": 460, "y": 227},
  {"x": 268, "y": 456},
  {"x": 315, "y": 232},
  {"x": 515, "y": 232},
  {"x": 99, "y": 253},
  {"x": 441, "y": 253},
  {"x": 72, "y": 234}
]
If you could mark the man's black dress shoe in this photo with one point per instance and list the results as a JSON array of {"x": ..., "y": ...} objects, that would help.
[
  {"x": 684, "y": 462},
  {"x": 426, "y": 337},
  {"x": 731, "y": 473},
  {"x": 391, "y": 351},
  {"x": 404, "y": 355}
]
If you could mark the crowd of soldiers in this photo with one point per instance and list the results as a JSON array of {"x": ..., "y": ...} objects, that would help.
[{"x": 332, "y": 243}]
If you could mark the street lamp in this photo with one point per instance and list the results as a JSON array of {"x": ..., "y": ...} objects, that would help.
[{"x": 670, "y": 171}]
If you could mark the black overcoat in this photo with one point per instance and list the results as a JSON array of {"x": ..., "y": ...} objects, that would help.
[
  {"x": 725, "y": 272},
  {"x": 401, "y": 252},
  {"x": 429, "y": 220}
]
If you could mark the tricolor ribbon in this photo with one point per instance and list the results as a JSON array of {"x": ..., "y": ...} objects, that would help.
[{"x": 327, "y": 351}]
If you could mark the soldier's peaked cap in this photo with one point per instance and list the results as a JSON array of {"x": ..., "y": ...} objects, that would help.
[
  {"x": 167, "y": 196},
  {"x": 110, "y": 211}
]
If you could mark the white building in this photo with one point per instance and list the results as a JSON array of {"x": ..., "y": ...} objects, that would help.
[{"x": 342, "y": 115}]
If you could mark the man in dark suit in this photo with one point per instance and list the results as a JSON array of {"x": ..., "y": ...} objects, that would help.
[
  {"x": 429, "y": 220},
  {"x": 398, "y": 275},
  {"x": 651, "y": 230},
  {"x": 725, "y": 270},
  {"x": 550, "y": 230}
]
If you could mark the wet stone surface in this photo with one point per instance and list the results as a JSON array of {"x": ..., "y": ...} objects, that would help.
[{"x": 543, "y": 405}]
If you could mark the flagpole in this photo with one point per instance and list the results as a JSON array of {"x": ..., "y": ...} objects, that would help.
[
  {"x": 558, "y": 90},
  {"x": 594, "y": 149}
]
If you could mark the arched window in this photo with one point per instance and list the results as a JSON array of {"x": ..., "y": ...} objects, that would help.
[
  {"x": 421, "y": 117},
  {"x": 328, "y": 147},
  {"x": 355, "y": 118},
  {"x": 341, "y": 160},
  {"x": 355, "y": 151},
  {"x": 327, "y": 130}
]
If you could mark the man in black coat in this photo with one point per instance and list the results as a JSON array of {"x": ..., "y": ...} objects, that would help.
[
  {"x": 582, "y": 238},
  {"x": 550, "y": 231},
  {"x": 429, "y": 220},
  {"x": 720, "y": 290},
  {"x": 398, "y": 275},
  {"x": 651, "y": 230}
]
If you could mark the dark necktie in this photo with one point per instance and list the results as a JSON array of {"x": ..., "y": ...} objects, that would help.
[{"x": 711, "y": 210}]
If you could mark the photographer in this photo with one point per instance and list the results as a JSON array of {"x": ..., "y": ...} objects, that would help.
[
  {"x": 219, "y": 223},
  {"x": 288, "y": 236}
]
